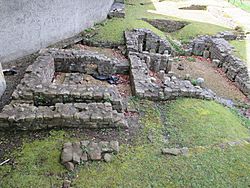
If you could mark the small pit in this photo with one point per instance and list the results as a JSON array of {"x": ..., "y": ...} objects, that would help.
[{"x": 168, "y": 26}]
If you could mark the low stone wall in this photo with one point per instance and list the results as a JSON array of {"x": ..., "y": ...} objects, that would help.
[
  {"x": 117, "y": 10},
  {"x": 141, "y": 40},
  {"x": 150, "y": 47},
  {"x": 78, "y": 115},
  {"x": 61, "y": 93},
  {"x": 150, "y": 62},
  {"x": 37, "y": 84},
  {"x": 80, "y": 152},
  {"x": 38, "y": 103},
  {"x": 161, "y": 86},
  {"x": 220, "y": 51}
]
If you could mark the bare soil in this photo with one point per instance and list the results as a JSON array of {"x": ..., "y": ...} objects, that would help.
[{"x": 215, "y": 79}]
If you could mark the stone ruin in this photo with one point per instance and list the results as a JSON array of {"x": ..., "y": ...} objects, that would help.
[
  {"x": 117, "y": 10},
  {"x": 79, "y": 152},
  {"x": 41, "y": 102},
  {"x": 150, "y": 69},
  {"x": 220, "y": 52},
  {"x": 38, "y": 103}
]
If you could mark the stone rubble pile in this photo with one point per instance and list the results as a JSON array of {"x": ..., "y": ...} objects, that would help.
[
  {"x": 39, "y": 104},
  {"x": 221, "y": 54},
  {"x": 80, "y": 152}
]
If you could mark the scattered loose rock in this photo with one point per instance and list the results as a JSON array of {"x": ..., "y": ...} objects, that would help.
[
  {"x": 77, "y": 152},
  {"x": 107, "y": 157}
]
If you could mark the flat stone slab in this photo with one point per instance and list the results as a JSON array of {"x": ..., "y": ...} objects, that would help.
[
  {"x": 80, "y": 152},
  {"x": 71, "y": 115}
]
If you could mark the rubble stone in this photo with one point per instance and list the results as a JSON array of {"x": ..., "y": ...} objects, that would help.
[{"x": 88, "y": 151}]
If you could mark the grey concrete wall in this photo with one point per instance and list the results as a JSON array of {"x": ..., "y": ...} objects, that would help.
[{"x": 29, "y": 25}]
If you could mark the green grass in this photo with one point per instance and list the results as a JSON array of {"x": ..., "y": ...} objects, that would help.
[
  {"x": 141, "y": 164},
  {"x": 196, "y": 28},
  {"x": 199, "y": 123},
  {"x": 240, "y": 49},
  {"x": 37, "y": 164},
  {"x": 245, "y": 5},
  {"x": 112, "y": 30}
]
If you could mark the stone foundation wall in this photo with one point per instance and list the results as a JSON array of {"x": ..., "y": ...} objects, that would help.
[
  {"x": 78, "y": 115},
  {"x": 220, "y": 52},
  {"x": 38, "y": 103},
  {"x": 140, "y": 40},
  {"x": 161, "y": 86},
  {"x": 150, "y": 47}
]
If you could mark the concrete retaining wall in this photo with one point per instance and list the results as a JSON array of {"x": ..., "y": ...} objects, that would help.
[{"x": 28, "y": 25}]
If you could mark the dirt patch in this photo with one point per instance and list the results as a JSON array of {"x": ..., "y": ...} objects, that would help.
[
  {"x": 214, "y": 78},
  {"x": 194, "y": 7},
  {"x": 167, "y": 26}
]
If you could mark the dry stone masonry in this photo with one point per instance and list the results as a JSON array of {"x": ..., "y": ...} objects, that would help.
[
  {"x": 220, "y": 52},
  {"x": 71, "y": 115},
  {"x": 38, "y": 103},
  {"x": 150, "y": 74},
  {"x": 80, "y": 152},
  {"x": 117, "y": 10},
  {"x": 42, "y": 102},
  {"x": 159, "y": 85}
]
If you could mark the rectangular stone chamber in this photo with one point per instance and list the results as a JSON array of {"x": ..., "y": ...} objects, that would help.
[{"x": 40, "y": 104}]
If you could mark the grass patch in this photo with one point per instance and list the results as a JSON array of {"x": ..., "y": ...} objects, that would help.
[
  {"x": 199, "y": 123},
  {"x": 37, "y": 164},
  {"x": 142, "y": 165},
  {"x": 244, "y": 5},
  {"x": 113, "y": 30},
  {"x": 240, "y": 49},
  {"x": 196, "y": 28}
]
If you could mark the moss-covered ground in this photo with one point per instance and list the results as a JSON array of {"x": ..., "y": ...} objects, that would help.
[
  {"x": 187, "y": 122},
  {"x": 112, "y": 30}
]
